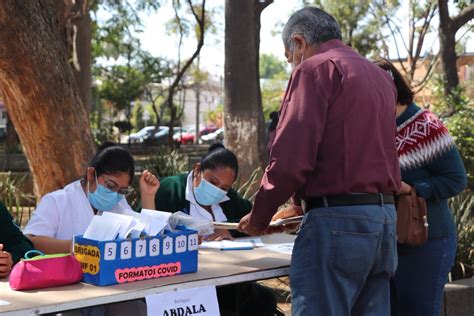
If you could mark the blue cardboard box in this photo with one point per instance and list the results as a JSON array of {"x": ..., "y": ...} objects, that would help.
[{"x": 134, "y": 259}]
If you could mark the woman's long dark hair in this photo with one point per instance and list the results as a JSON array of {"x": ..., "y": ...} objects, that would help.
[
  {"x": 113, "y": 159},
  {"x": 217, "y": 157}
]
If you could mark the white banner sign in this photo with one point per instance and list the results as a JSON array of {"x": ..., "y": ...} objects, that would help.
[{"x": 198, "y": 301}]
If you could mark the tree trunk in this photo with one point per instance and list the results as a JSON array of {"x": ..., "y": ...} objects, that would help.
[
  {"x": 75, "y": 25},
  {"x": 83, "y": 53},
  {"x": 447, "y": 48},
  {"x": 243, "y": 118},
  {"x": 447, "y": 42},
  {"x": 41, "y": 93}
]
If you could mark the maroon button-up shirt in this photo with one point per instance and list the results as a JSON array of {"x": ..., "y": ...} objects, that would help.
[{"x": 336, "y": 133}]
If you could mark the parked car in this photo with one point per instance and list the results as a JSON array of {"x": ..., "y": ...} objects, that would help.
[
  {"x": 141, "y": 135},
  {"x": 189, "y": 137},
  {"x": 161, "y": 137},
  {"x": 217, "y": 136}
]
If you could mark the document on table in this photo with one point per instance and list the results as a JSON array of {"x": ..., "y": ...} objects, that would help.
[
  {"x": 237, "y": 244},
  {"x": 286, "y": 248},
  {"x": 275, "y": 223}
]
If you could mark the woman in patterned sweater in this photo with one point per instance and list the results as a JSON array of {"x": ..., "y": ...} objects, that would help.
[{"x": 430, "y": 163}]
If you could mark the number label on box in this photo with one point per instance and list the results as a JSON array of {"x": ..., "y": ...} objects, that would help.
[
  {"x": 192, "y": 242},
  {"x": 110, "y": 251},
  {"x": 180, "y": 244},
  {"x": 126, "y": 250},
  {"x": 167, "y": 246},
  {"x": 140, "y": 248},
  {"x": 154, "y": 247}
]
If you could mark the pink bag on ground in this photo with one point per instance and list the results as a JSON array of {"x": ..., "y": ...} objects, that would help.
[{"x": 45, "y": 271}]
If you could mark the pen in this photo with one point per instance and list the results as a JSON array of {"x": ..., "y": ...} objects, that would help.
[{"x": 237, "y": 248}]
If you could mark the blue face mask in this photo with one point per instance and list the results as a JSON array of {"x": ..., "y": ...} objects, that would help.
[
  {"x": 103, "y": 199},
  {"x": 208, "y": 194}
]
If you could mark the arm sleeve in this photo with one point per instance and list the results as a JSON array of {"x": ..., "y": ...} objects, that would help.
[
  {"x": 45, "y": 219},
  {"x": 298, "y": 135},
  {"x": 11, "y": 236},
  {"x": 448, "y": 177}
]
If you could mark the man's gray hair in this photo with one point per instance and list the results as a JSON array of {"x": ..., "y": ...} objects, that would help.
[{"x": 315, "y": 25}]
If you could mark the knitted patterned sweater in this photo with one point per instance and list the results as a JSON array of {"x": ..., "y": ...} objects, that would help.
[{"x": 430, "y": 161}]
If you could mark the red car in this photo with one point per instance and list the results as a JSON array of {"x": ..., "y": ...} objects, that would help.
[{"x": 189, "y": 137}]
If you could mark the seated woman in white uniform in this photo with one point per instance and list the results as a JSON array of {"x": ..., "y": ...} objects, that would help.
[{"x": 67, "y": 212}]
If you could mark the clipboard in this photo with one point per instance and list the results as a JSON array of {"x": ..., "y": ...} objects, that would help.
[{"x": 275, "y": 223}]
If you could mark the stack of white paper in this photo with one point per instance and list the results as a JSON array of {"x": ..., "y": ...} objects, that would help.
[
  {"x": 102, "y": 229},
  {"x": 109, "y": 226}
]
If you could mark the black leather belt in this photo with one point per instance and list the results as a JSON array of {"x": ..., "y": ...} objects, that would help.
[{"x": 349, "y": 199}]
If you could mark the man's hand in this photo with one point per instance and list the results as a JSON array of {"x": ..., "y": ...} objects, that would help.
[
  {"x": 218, "y": 235},
  {"x": 290, "y": 211},
  {"x": 148, "y": 184},
  {"x": 404, "y": 189},
  {"x": 6, "y": 262},
  {"x": 246, "y": 228}
]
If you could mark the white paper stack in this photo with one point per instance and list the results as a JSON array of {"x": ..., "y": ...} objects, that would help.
[
  {"x": 109, "y": 226},
  {"x": 102, "y": 229}
]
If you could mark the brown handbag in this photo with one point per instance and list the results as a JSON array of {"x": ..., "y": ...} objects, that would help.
[{"x": 412, "y": 221}]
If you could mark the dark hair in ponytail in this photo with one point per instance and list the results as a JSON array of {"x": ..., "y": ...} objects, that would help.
[
  {"x": 112, "y": 159},
  {"x": 404, "y": 92},
  {"x": 219, "y": 157}
]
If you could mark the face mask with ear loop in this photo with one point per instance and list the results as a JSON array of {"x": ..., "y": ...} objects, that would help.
[
  {"x": 102, "y": 198},
  {"x": 208, "y": 194},
  {"x": 293, "y": 66}
]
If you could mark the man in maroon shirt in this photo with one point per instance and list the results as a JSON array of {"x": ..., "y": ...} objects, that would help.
[{"x": 335, "y": 149}]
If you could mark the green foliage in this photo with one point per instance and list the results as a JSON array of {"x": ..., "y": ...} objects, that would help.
[
  {"x": 11, "y": 195},
  {"x": 274, "y": 74},
  {"x": 272, "y": 67},
  {"x": 215, "y": 116},
  {"x": 122, "y": 85},
  {"x": 458, "y": 116},
  {"x": 248, "y": 189},
  {"x": 272, "y": 95},
  {"x": 165, "y": 163},
  {"x": 462, "y": 206},
  {"x": 360, "y": 21},
  {"x": 137, "y": 116}
]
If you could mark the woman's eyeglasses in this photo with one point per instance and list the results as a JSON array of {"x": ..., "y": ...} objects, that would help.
[{"x": 114, "y": 187}]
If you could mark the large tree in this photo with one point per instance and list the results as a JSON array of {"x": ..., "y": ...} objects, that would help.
[
  {"x": 244, "y": 126},
  {"x": 448, "y": 27},
  {"x": 41, "y": 93}
]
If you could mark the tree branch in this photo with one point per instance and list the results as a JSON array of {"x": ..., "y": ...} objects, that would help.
[
  {"x": 463, "y": 17},
  {"x": 430, "y": 13},
  {"x": 444, "y": 12},
  {"x": 263, "y": 4},
  {"x": 397, "y": 49},
  {"x": 429, "y": 73},
  {"x": 201, "y": 23}
]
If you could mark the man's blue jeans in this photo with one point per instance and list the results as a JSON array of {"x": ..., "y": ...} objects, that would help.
[{"x": 342, "y": 261}]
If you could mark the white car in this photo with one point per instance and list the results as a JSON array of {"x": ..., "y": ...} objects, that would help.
[
  {"x": 141, "y": 135},
  {"x": 216, "y": 136}
]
